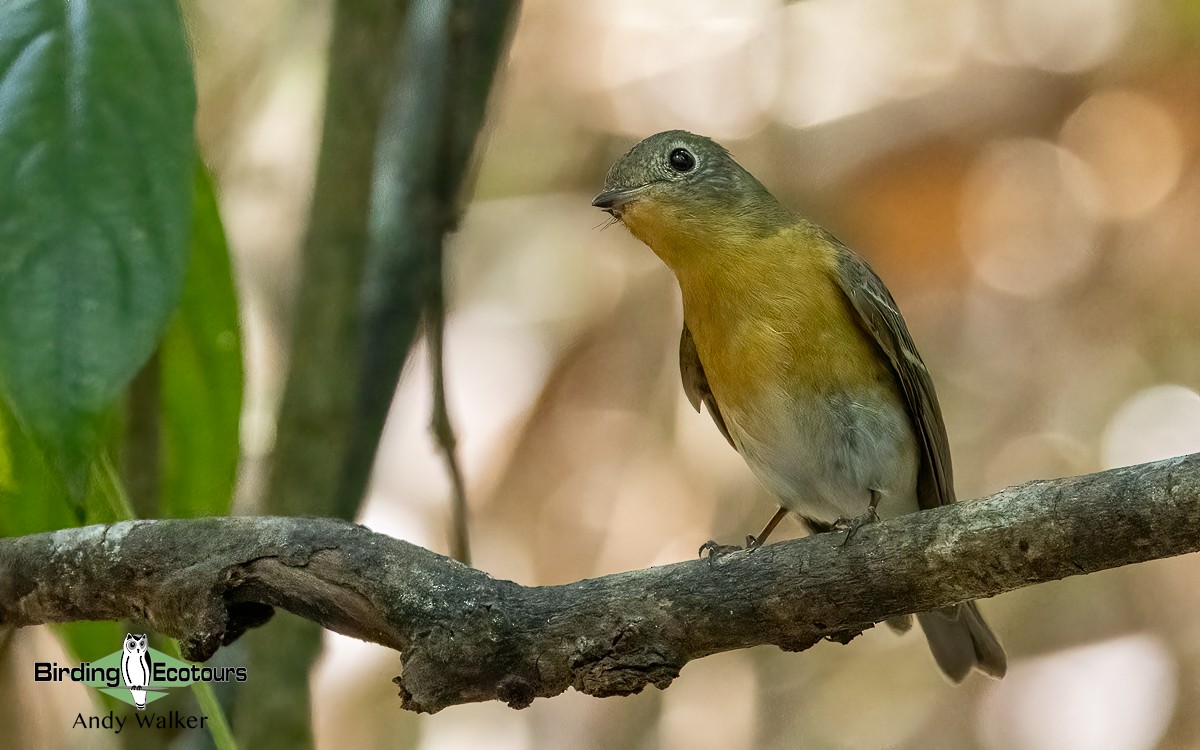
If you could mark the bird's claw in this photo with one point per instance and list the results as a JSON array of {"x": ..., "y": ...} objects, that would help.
[
  {"x": 714, "y": 550},
  {"x": 852, "y": 525}
]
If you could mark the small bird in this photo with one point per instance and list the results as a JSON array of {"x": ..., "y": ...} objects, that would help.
[{"x": 801, "y": 357}]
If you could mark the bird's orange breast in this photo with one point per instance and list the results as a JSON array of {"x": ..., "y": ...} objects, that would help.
[{"x": 773, "y": 328}]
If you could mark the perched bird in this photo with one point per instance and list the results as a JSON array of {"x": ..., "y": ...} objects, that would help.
[{"x": 801, "y": 356}]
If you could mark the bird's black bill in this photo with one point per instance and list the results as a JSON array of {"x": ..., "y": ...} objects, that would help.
[{"x": 612, "y": 200}]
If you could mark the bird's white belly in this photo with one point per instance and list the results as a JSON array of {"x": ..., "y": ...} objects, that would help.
[{"x": 823, "y": 458}]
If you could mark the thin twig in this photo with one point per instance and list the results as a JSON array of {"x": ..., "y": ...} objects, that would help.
[{"x": 443, "y": 430}]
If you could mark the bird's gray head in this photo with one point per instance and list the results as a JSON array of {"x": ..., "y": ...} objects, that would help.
[
  {"x": 676, "y": 188},
  {"x": 672, "y": 166}
]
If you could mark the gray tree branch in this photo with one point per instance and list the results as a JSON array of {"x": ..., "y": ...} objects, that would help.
[{"x": 464, "y": 636}]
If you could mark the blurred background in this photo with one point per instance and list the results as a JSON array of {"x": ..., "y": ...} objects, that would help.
[{"x": 1024, "y": 175}]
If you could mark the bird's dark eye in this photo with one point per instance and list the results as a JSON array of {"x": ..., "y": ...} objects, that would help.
[{"x": 682, "y": 160}]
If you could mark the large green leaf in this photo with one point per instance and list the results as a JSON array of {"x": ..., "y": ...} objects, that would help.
[
  {"x": 201, "y": 358},
  {"x": 96, "y": 153}
]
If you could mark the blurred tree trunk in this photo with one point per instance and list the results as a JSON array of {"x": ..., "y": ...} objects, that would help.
[
  {"x": 423, "y": 167},
  {"x": 273, "y": 709},
  {"x": 408, "y": 85}
]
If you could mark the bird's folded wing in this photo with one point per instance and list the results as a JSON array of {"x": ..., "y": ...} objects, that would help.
[
  {"x": 695, "y": 382},
  {"x": 880, "y": 317}
]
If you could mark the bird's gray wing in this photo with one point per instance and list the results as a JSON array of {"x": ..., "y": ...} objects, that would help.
[
  {"x": 695, "y": 382},
  {"x": 880, "y": 317},
  {"x": 958, "y": 636}
]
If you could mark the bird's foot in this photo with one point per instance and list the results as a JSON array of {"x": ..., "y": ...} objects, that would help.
[
  {"x": 713, "y": 550},
  {"x": 852, "y": 525}
]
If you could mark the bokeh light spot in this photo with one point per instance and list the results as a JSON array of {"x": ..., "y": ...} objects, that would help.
[
  {"x": 1132, "y": 145},
  {"x": 1067, "y": 35},
  {"x": 1116, "y": 695},
  {"x": 1153, "y": 424},
  {"x": 1024, "y": 227}
]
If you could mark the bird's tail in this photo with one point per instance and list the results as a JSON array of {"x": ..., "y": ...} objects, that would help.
[{"x": 961, "y": 641}]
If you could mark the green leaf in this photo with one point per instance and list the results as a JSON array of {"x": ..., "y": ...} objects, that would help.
[
  {"x": 97, "y": 152},
  {"x": 32, "y": 497},
  {"x": 201, "y": 358}
]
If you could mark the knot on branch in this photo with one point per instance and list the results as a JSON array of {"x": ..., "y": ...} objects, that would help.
[{"x": 624, "y": 663}]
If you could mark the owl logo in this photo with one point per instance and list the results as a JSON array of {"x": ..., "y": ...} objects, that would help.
[{"x": 135, "y": 667}]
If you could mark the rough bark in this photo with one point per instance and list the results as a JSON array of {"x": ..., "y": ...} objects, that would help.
[{"x": 464, "y": 636}]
